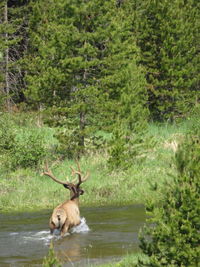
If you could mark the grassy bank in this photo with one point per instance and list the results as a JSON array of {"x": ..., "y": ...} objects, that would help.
[
  {"x": 28, "y": 189},
  {"x": 128, "y": 261}
]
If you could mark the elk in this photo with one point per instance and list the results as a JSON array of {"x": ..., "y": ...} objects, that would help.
[{"x": 67, "y": 214}]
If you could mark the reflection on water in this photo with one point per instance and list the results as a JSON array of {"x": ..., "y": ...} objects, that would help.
[{"x": 109, "y": 233}]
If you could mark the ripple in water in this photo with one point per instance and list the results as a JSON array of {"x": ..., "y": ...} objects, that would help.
[{"x": 45, "y": 235}]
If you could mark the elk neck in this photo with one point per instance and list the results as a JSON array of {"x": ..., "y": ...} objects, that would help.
[{"x": 74, "y": 198}]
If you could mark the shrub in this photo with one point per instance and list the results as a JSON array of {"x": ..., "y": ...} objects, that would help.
[
  {"x": 7, "y": 134},
  {"x": 20, "y": 147},
  {"x": 173, "y": 239},
  {"x": 51, "y": 259},
  {"x": 193, "y": 120},
  {"x": 68, "y": 143},
  {"x": 29, "y": 149},
  {"x": 125, "y": 150}
]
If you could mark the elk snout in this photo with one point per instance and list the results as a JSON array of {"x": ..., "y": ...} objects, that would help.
[
  {"x": 81, "y": 191},
  {"x": 56, "y": 231}
]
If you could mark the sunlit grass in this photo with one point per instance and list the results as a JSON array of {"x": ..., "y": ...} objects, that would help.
[
  {"x": 26, "y": 189},
  {"x": 128, "y": 261}
]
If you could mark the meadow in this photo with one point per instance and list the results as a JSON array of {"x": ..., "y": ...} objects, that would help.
[{"x": 26, "y": 189}]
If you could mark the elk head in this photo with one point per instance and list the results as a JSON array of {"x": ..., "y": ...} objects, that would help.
[{"x": 67, "y": 214}]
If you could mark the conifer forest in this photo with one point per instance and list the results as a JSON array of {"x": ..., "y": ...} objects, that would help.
[{"x": 95, "y": 77}]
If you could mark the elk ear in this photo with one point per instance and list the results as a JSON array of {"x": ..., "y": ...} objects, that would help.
[{"x": 66, "y": 186}]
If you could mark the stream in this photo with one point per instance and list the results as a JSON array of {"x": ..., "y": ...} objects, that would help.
[{"x": 104, "y": 235}]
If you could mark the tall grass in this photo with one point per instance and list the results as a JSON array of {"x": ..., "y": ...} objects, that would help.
[
  {"x": 28, "y": 189},
  {"x": 130, "y": 260}
]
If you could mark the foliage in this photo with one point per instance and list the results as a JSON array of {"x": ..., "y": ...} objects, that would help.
[
  {"x": 127, "y": 150},
  {"x": 174, "y": 237},
  {"x": 102, "y": 188},
  {"x": 91, "y": 56},
  {"x": 51, "y": 259},
  {"x": 193, "y": 120},
  {"x": 7, "y": 134},
  {"x": 20, "y": 147},
  {"x": 68, "y": 142},
  {"x": 75, "y": 58},
  {"x": 168, "y": 36},
  {"x": 28, "y": 150},
  {"x": 128, "y": 143},
  {"x": 127, "y": 261},
  {"x": 92, "y": 70},
  {"x": 132, "y": 112},
  {"x": 13, "y": 44}
]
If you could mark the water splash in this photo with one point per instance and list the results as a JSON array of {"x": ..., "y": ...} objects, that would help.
[
  {"x": 81, "y": 228},
  {"x": 45, "y": 236}
]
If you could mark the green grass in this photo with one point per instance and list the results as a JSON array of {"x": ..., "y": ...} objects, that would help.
[
  {"x": 127, "y": 261},
  {"x": 28, "y": 189}
]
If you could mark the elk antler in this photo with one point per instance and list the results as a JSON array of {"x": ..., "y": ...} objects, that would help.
[
  {"x": 50, "y": 174},
  {"x": 74, "y": 172},
  {"x": 80, "y": 178}
]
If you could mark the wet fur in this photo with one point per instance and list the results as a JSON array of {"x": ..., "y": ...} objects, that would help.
[{"x": 65, "y": 216}]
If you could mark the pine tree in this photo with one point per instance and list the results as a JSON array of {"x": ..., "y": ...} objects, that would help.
[
  {"x": 84, "y": 64},
  {"x": 168, "y": 35},
  {"x": 12, "y": 46},
  {"x": 173, "y": 239},
  {"x": 131, "y": 98}
]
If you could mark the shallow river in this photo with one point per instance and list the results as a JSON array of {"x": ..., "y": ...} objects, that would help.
[{"x": 105, "y": 235}]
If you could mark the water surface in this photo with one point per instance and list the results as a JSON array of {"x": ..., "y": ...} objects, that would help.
[{"x": 107, "y": 234}]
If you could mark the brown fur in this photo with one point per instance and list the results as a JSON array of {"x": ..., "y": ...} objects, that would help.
[{"x": 65, "y": 216}]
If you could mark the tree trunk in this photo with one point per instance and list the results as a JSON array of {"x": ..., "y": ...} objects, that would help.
[
  {"x": 82, "y": 135},
  {"x": 7, "y": 85},
  {"x": 82, "y": 122}
]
